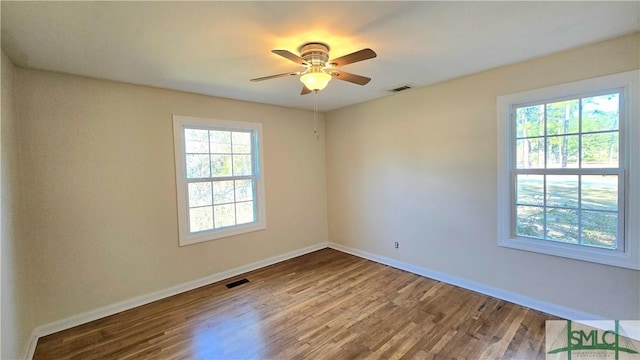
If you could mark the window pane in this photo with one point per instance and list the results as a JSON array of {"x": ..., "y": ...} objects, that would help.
[
  {"x": 244, "y": 212},
  {"x": 562, "y": 225},
  {"x": 220, "y": 142},
  {"x": 241, "y": 143},
  {"x": 199, "y": 194},
  {"x": 244, "y": 190},
  {"x": 196, "y": 141},
  {"x": 530, "y": 189},
  {"x": 241, "y": 165},
  {"x": 600, "y": 113},
  {"x": 225, "y": 215},
  {"x": 599, "y": 229},
  {"x": 562, "y": 117},
  {"x": 600, "y": 150},
  {"x": 200, "y": 219},
  {"x": 600, "y": 192},
  {"x": 562, "y": 151},
  {"x": 197, "y": 166},
  {"x": 530, "y": 153},
  {"x": 221, "y": 165},
  {"x": 222, "y": 192},
  {"x": 530, "y": 221},
  {"x": 530, "y": 121},
  {"x": 562, "y": 191}
]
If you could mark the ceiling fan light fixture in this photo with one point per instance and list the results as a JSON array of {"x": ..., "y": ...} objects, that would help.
[{"x": 315, "y": 81}]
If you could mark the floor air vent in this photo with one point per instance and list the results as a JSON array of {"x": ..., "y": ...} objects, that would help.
[{"x": 237, "y": 283}]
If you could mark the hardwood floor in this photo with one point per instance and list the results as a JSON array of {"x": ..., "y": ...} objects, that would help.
[{"x": 323, "y": 305}]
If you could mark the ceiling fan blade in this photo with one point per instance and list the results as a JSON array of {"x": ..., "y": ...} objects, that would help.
[
  {"x": 275, "y": 76},
  {"x": 352, "y": 78},
  {"x": 305, "y": 91},
  {"x": 291, "y": 56},
  {"x": 363, "y": 54}
]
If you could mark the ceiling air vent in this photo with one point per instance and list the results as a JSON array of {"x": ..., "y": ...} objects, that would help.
[{"x": 401, "y": 88}]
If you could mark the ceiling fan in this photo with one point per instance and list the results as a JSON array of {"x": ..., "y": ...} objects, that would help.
[{"x": 319, "y": 70}]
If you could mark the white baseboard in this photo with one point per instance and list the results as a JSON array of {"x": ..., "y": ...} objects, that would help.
[
  {"x": 47, "y": 329},
  {"x": 108, "y": 310},
  {"x": 31, "y": 346},
  {"x": 553, "y": 309}
]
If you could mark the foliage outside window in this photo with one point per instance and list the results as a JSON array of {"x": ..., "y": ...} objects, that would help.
[
  {"x": 568, "y": 176},
  {"x": 567, "y": 171},
  {"x": 218, "y": 177}
]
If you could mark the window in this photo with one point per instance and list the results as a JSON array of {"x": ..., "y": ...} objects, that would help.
[
  {"x": 568, "y": 168},
  {"x": 218, "y": 177}
]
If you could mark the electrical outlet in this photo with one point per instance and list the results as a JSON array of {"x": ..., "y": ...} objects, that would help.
[{"x": 396, "y": 244}]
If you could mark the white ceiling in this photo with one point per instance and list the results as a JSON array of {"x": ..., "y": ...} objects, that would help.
[{"x": 214, "y": 48}]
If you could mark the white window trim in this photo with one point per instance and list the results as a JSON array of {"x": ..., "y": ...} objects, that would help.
[
  {"x": 179, "y": 123},
  {"x": 629, "y": 257}
]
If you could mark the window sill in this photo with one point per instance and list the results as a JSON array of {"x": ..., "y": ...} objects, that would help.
[
  {"x": 576, "y": 252},
  {"x": 219, "y": 234}
]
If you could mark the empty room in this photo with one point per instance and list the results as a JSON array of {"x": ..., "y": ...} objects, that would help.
[{"x": 320, "y": 180}]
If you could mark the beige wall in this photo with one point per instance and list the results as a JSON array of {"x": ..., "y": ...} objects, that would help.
[
  {"x": 101, "y": 207},
  {"x": 99, "y": 204},
  {"x": 15, "y": 317},
  {"x": 420, "y": 168}
]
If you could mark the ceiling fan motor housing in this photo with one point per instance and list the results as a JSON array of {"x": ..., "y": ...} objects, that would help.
[{"x": 315, "y": 54}]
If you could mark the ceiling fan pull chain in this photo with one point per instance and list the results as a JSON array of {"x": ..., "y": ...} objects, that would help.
[{"x": 315, "y": 114}]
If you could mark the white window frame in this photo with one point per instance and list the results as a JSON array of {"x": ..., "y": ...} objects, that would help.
[
  {"x": 179, "y": 124},
  {"x": 628, "y": 256}
]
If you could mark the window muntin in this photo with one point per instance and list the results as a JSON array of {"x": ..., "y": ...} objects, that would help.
[
  {"x": 567, "y": 175},
  {"x": 543, "y": 176},
  {"x": 219, "y": 178}
]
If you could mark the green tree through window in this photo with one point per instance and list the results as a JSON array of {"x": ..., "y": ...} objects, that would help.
[{"x": 567, "y": 170}]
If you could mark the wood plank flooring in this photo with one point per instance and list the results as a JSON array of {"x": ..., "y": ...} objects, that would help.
[{"x": 323, "y": 305}]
